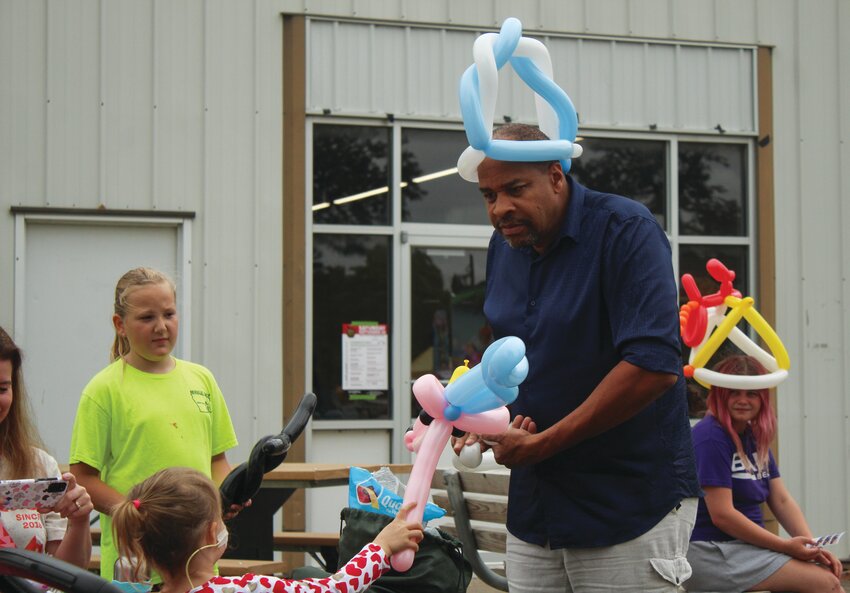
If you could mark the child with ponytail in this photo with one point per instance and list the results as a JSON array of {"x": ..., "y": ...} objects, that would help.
[
  {"x": 172, "y": 522},
  {"x": 147, "y": 410}
]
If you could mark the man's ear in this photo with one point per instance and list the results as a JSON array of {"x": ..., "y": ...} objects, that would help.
[{"x": 556, "y": 176}]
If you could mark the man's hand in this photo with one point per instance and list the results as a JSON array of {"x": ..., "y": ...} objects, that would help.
[{"x": 519, "y": 445}]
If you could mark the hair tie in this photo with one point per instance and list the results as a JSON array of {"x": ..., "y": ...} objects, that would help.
[{"x": 137, "y": 503}]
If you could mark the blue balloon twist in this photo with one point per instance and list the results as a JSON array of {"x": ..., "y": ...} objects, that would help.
[{"x": 479, "y": 126}]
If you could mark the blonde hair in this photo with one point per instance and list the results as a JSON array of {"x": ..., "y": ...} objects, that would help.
[
  {"x": 163, "y": 520},
  {"x": 18, "y": 436},
  {"x": 127, "y": 284}
]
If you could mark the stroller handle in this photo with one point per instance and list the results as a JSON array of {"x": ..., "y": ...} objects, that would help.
[{"x": 244, "y": 481}]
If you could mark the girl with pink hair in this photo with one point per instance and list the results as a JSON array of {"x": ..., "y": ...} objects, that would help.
[{"x": 730, "y": 549}]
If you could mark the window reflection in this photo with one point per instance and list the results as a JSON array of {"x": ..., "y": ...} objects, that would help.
[
  {"x": 636, "y": 169},
  {"x": 447, "y": 319},
  {"x": 351, "y": 174},
  {"x": 351, "y": 282},
  {"x": 712, "y": 189},
  {"x": 692, "y": 260},
  {"x": 432, "y": 191}
]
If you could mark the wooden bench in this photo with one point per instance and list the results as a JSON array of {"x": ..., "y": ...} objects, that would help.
[
  {"x": 230, "y": 567},
  {"x": 478, "y": 503},
  {"x": 321, "y": 546}
]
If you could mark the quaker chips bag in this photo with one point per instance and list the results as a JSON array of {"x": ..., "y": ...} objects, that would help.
[{"x": 381, "y": 492}]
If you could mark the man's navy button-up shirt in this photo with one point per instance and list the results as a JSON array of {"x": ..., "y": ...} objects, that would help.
[{"x": 603, "y": 293}]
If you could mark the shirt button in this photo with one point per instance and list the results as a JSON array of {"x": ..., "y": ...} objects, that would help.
[{"x": 533, "y": 302}]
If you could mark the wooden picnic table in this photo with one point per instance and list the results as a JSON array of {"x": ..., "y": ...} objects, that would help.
[{"x": 252, "y": 531}]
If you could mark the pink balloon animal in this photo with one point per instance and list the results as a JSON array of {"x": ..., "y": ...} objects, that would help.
[{"x": 474, "y": 401}]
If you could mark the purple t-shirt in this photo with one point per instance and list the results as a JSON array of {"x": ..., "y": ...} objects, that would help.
[{"x": 718, "y": 464}]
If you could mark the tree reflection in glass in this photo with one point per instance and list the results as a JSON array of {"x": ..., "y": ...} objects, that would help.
[
  {"x": 351, "y": 174},
  {"x": 636, "y": 169},
  {"x": 712, "y": 189},
  {"x": 351, "y": 280}
]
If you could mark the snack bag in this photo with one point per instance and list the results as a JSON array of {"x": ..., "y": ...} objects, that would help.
[{"x": 377, "y": 493}]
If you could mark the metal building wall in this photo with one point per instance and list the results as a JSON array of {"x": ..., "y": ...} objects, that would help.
[
  {"x": 811, "y": 83},
  {"x": 190, "y": 119},
  {"x": 161, "y": 106},
  {"x": 365, "y": 69}
]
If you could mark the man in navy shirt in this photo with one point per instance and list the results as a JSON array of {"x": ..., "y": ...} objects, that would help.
[{"x": 603, "y": 483}]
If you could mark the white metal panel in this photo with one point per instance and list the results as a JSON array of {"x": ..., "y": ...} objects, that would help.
[
  {"x": 613, "y": 83},
  {"x": 660, "y": 87},
  {"x": 732, "y": 21},
  {"x": 178, "y": 105},
  {"x": 822, "y": 356},
  {"x": 693, "y": 84},
  {"x": 629, "y": 80},
  {"x": 650, "y": 18},
  {"x": 391, "y": 78},
  {"x": 569, "y": 13},
  {"x": 611, "y": 16},
  {"x": 429, "y": 84},
  {"x": 151, "y": 53},
  {"x": 843, "y": 81},
  {"x": 735, "y": 20},
  {"x": 72, "y": 108},
  {"x": 351, "y": 447},
  {"x": 787, "y": 206},
  {"x": 427, "y": 12},
  {"x": 127, "y": 70},
  {"x": 158, "y": 105},
  {"x": 693, "y": 19},
  {"x": 22, "y": 109}
]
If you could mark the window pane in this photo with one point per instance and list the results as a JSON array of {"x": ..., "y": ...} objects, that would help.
[
  {"x": 351, "y": 282},
  {"x": 712, "y": 189},
  {"x": 447, "y": 319},
  {"x": 445, "y": 197},
  {"x": 692, "y": 260},
  {"x": 351, "y": 174},
  {"x": 636, "y": 169}
]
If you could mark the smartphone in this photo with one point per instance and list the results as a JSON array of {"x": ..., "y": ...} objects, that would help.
[{"x": 38, "y": 493}]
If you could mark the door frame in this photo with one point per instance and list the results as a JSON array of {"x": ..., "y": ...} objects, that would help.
[{"x": 180, "y": 221}]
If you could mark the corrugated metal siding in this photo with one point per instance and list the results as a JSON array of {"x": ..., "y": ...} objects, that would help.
[
  {"x": 212, "y": 144},
  {"x": 165, "y": 106},
  {"x": 367, "y": 69},
  {"x": 811, "y": 78}
]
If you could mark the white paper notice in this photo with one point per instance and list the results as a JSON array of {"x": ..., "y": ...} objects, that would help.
[{"x": 365, "y": 350}]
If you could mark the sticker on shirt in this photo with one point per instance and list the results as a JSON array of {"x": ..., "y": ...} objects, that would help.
[
  {"x": 202, "y": 400},
  {"x": 740, "y": 471}
]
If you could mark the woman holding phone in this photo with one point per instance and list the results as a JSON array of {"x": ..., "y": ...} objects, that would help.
[{"x": 62, "y": 531}]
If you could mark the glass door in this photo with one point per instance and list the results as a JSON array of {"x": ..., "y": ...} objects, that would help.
[{"x": 443, "y": 283}]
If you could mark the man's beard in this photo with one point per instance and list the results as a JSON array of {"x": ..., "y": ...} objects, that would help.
[{"x": 530, "y": 239}]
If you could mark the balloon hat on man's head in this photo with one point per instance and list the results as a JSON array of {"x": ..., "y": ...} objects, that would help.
[
  {"x": 479, "y": 87},
  {"x": 705, "y": 324}
]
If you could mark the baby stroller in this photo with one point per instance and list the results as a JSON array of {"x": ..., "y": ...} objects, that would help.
[
  {"x": 18, "y": 568},
  {"x": 249, "y": 533}
]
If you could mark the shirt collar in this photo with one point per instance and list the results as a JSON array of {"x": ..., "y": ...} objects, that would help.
[{"x": 571, "y": 227}]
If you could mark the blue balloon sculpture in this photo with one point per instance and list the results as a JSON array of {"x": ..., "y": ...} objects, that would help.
[{"x": 478, "y": 90}]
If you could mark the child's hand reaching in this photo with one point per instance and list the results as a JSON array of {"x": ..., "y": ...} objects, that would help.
[{"x": 400, "y": 534}]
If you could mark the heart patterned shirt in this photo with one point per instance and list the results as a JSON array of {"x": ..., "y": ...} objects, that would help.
[{"x": 360, "y": 572}]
